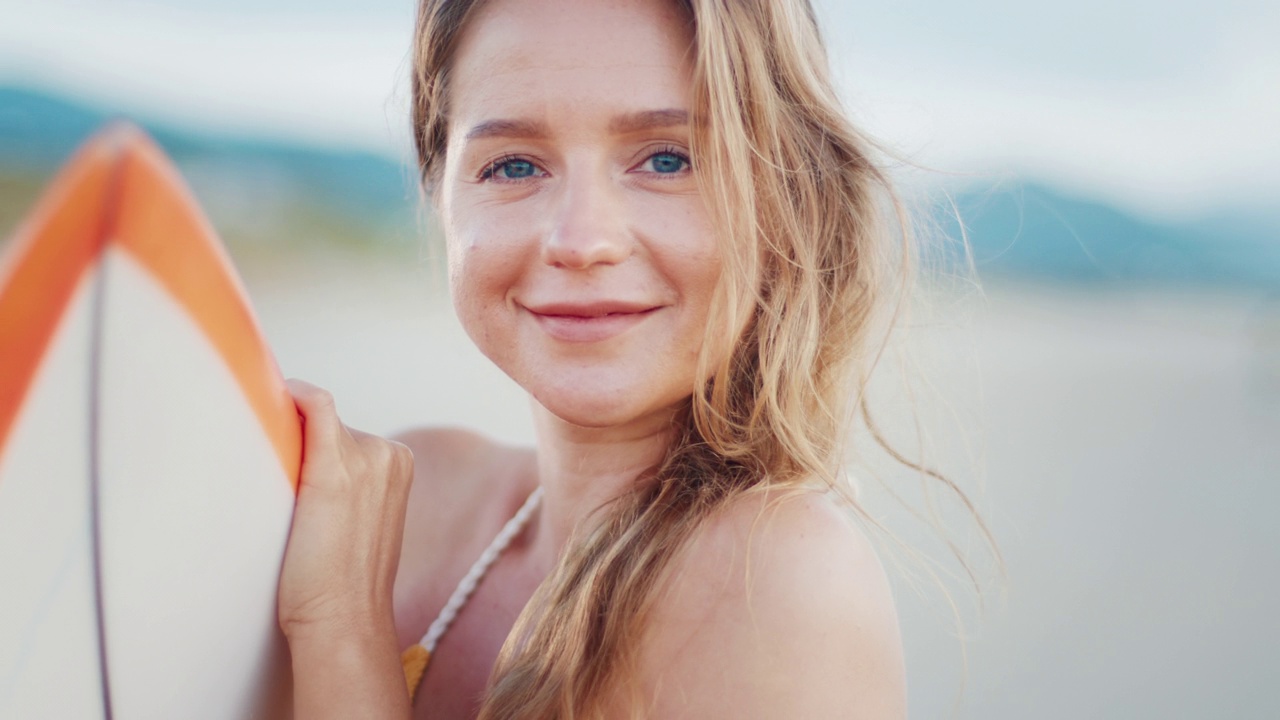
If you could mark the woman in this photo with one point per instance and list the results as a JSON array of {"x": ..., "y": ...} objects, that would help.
[{"x": 660, "y": 225}]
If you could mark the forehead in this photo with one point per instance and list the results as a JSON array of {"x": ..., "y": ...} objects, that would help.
[{"x": 539, "y": 58}]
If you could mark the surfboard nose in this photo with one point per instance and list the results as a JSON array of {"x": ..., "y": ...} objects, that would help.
[
  {"x": 121, "y": 191},
  {"x": 149, "y": 453},
  {"x": 120, "y": 136}
]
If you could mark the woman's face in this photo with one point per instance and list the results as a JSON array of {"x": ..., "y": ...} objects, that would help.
[{"x": 582, "y": 258}]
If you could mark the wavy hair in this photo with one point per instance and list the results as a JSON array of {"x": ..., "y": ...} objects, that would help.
[{"x": 818, "y": 258}]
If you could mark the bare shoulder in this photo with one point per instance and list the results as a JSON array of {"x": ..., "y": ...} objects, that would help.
[
  {"x": 779, "y": 607},
  {"x": 442, "y": 454},
  {"x": 465, "y": 487}
]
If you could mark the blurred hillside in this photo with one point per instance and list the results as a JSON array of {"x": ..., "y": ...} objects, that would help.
[
  {"x": 265, "y": 198},
  {"x": 1029, "y": 231},
  {"x": 268, "y": 197}
]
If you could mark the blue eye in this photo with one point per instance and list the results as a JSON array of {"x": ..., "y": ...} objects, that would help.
[
  {"x": 667, "y": 162},
  {"x": 510, "y": 169},
  {"x": 515, "y": 169}
]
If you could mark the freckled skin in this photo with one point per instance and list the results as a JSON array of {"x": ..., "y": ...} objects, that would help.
[
  {"x": 567, "y": 189},
  {"x": 581, "y": 213}
]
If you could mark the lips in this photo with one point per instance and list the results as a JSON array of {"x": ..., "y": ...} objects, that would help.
[{"x": 590, "y": 321}]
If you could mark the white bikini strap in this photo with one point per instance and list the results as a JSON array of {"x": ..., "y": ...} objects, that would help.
[{"x": 469, "y": 581}]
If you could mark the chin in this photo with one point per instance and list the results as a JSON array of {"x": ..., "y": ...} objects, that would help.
[
  {"x": 605, "y": 407},
  {"x": 588, "y": 411}
]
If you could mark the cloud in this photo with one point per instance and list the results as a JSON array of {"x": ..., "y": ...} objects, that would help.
[
  {"x": 314, "y": 77},
  {"x": 1171, "y": 140},
  {"x": 1170, "y": 110}
]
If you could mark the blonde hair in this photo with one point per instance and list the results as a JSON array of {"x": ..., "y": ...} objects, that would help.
[{"x": 816, "y": 257}]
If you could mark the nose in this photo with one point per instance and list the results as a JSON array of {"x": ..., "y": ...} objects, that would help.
[{"x": 589, "y": 227}]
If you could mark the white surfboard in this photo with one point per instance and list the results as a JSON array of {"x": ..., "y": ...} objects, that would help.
[{"x": 149, "y": 457}]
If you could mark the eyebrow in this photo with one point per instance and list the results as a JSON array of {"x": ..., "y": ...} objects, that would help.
[
  {"x": 507, "y": 129},
  {"x": 648, "y": 120},
  {"x": 619, "y": 125}
]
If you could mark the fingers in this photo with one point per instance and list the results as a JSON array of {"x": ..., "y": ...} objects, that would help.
[
  {"x": 391, "y": 459},
  {"x": 316, "y": 406},
  {"x": 395, "y": 456},
  {"x": 323, "y": 434},
  {"x": 348, "y": 522},
  {"x": 329, "y": 445}
]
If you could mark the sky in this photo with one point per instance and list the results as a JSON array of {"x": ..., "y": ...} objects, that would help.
[{"x": 1168, "y": 109}]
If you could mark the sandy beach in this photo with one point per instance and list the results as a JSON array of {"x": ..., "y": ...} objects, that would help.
[{"x": 1129, "y": 445}]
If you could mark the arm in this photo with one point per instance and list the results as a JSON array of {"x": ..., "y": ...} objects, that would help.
[
  {"x": 774, "y": 612},
  {"x": 335, "y": 599}
]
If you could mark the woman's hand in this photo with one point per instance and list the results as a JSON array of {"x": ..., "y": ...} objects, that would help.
[
  {"x": 335, "y": 597},
  {"x": 344, "y": 547}
]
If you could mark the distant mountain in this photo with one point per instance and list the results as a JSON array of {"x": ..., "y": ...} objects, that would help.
[
  {"x": 234, "y": 177},
  {"x": 1029, "y": 230},
  {"x": 273, "y": 192}
]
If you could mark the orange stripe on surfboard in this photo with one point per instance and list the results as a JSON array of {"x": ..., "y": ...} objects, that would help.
[
  {"x": 123, "y": 178},
  {"x": 160, "y": 225},
  {"x": 46, "y": 262}
]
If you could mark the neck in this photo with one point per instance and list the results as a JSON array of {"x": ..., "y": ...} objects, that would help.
[{"x": 582, "y": 469}]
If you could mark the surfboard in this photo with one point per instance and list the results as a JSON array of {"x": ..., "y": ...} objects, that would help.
[{"x": 149, "y": 455}]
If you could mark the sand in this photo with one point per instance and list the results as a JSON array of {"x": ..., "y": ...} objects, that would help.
[{"x": 1129, "y": 443}]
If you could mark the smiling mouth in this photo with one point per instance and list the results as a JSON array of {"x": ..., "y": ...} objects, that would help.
[{"x": 584, "y": 324}]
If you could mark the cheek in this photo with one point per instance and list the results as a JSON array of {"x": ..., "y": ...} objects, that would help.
[
  {"x": 695, "y": 263},
  {"x": 479, "y": 310},
  {"x": 468, "y": 234},
  {"x": 461, "y": 280},
  {"x": 686, "y": 248},
  {"x": 485, "y": 265}
]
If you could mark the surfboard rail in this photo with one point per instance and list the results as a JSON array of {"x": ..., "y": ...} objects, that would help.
[{"x": 149, "y": 456}]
